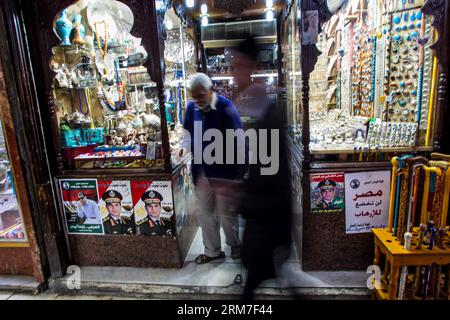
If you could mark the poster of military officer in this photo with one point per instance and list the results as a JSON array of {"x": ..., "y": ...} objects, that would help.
[
  {"x": 116, "y": 206},
  {"x": 327, "y": 193},
  {"x": 153, "y": 208},
  {"x": 115, "y": 223}
]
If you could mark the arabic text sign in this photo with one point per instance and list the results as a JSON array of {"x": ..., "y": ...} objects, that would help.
[{"x": 366, "y": 200}]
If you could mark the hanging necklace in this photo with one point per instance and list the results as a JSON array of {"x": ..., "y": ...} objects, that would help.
[
  {"x": 103, "y": 50},
  {"x": 105, "y": 101},
  {"x": 81, "y": 104}
]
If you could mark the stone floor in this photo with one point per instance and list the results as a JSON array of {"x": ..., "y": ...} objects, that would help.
[{"x": 209, "y": 281}]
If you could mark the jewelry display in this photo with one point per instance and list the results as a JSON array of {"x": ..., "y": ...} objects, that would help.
[
  {"x": 388, "y": 85},
  {"x": 107, "y": 116}
]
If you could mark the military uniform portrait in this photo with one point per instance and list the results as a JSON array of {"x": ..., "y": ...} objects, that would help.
[
  {"x": 327, "y": 195},
  {"x": 154, "y": 224},
  {"x": 114, "y": 222}
]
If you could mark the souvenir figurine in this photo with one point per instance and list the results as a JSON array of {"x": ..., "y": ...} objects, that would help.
[
  {"x": 79, "y": 31},
  {"x": 64, "y": 28}
]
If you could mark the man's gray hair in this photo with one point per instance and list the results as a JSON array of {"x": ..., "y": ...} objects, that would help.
[{"x": 202, "y": 80}]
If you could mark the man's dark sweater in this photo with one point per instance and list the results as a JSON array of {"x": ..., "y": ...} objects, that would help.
[{"x": 222, "y": 116}]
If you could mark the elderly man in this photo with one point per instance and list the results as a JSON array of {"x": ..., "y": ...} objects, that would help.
[{"x": 213, "y": 182}]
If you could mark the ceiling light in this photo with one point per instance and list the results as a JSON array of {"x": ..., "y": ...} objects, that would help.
[
  {"x": 269, "y": 3},
  {"x": 204, "y": 21},
  {"x": 190, "y": 3},
  {"x": 204, "y": 9}
]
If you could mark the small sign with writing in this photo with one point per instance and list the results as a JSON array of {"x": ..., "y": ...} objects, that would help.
[{"x": 366, "y": 200}]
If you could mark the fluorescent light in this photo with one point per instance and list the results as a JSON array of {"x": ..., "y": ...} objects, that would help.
[
  {"x": 269, "y": 15},
  {"x": 190, "y": 3},
  {"x": 205, "y": 21},
  {"x": 221, "y": 78},
  {"x": 269, "y": 3},
  {"x": 264, "y": 75},
  {"x": 169, "y": 24},
  {"x": 204, "y": 9}
]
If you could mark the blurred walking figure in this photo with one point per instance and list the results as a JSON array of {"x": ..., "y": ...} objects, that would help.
[
  {"x": 213, "y": 182},
  {"x": 266, "y": 199}
]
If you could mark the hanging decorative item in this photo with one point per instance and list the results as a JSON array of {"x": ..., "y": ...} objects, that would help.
[{"x": 79, "y": 31}]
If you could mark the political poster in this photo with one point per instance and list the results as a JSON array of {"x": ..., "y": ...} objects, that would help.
[
  {"x": 366, "y": 201},
  {"x": 80, "y": 206}
]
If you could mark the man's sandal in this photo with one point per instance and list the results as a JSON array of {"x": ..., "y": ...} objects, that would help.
[{"x": 203, "y": 258}]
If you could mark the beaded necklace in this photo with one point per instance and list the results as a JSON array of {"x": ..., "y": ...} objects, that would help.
[
  {"x": 86, "y": 102},
  {"x": 103, "y": 50}
]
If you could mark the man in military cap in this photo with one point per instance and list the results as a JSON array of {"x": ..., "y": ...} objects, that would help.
[
  {"x": 328, "y": 199},
  {"x": 114, "y": 223},
  {"x": 155, "y": 225}
]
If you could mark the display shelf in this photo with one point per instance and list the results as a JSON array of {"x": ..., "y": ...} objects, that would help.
[
  {"x": 111, "y": 158},
  {"x": 372, "y": 150},
  {"x": 386, "y": 244}
]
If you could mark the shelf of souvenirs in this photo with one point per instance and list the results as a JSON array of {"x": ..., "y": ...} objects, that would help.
[
  {"x": 113, "y": 46},
  {"x": 130, "y": 87},
  {"x": 367, "y": 150},
  {"x": 115, "y": 157},
  {"x": 121, "y": 163}
]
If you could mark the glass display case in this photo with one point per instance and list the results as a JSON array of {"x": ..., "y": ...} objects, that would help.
[
  {"x": 374, "y": 84},
  {"x": 292, "y": 72},
  {"x": 115, "y": 79},
  {"x": 107, "y": 106},
  {"x": 368, "y": 92},
  {"x": 180, "y": 60}
]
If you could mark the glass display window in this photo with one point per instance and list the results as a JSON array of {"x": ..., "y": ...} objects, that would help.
[
  {"x": 371, "y": 88},
  {"x": 180, "y": 60},
  {"x": 292, "y": 72},
  {"x": 106, "y": 102}
]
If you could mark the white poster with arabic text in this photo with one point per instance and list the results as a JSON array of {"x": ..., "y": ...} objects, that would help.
[{"x": 366, "y": 201}]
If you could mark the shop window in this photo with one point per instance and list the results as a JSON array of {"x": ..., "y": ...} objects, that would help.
[
  {"x": 180, "y": 61},
  {"x": 107, "y": 107},
  {"x": 292, "y": 67},
  {"x": 11, "y": 222},
  {"x": 372, "y": 87}
]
